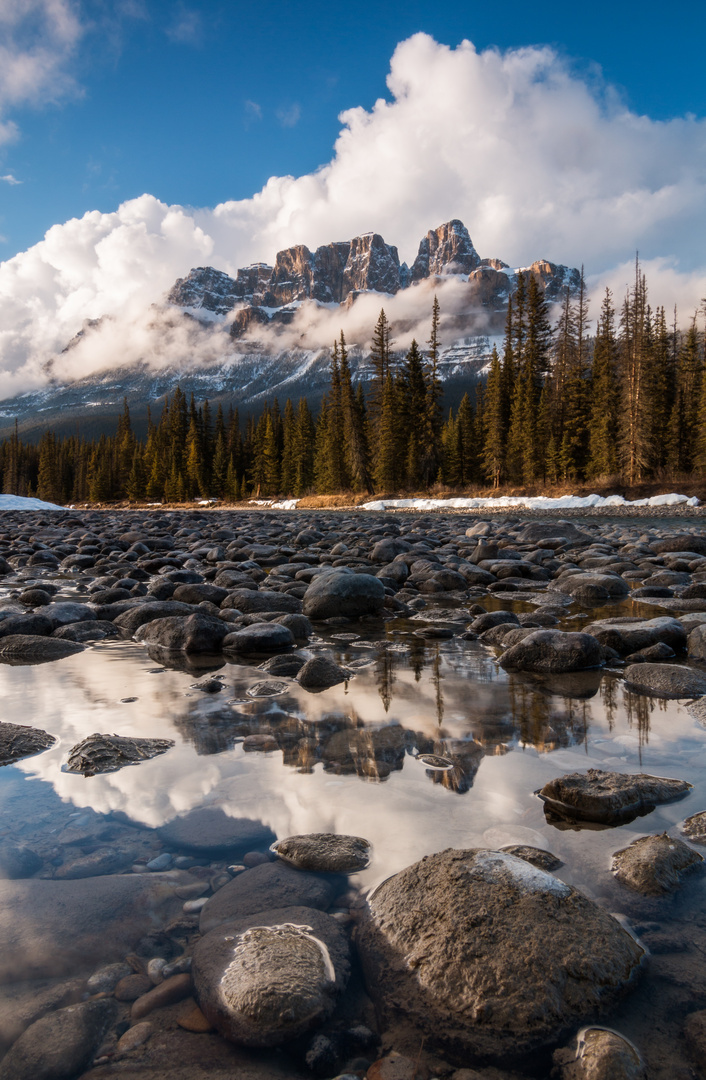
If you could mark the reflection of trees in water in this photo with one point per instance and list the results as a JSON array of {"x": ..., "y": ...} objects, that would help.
[
  {"x": 609, "y": 699},
  {"x": 541, "y": 722},
  {"x": 385, "y": 676},
  {"x": 416, "y": 653},
  {"x": 436, "y": 678},
  {"x": 638, "y": 708}
]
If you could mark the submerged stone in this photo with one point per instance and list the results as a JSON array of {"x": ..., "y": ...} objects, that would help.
[
  {"x": 538, "y": 857},
  {"x": 60, "y": 1045},
  {"x": 695, "y": 828},
  {"x": 325, "y": 851},
  {"x": 653, "y": 865},
  {"x": 599, "y": 1054},
  {"x": 666, "y": 680},
  {"x": 487, "y": 956}
]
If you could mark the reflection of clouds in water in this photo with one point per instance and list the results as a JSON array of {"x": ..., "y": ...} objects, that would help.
[{"x": 405, "y": 817}]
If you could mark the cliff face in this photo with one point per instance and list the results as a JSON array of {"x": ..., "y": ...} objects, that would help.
[{"x": 337, "y": 273}]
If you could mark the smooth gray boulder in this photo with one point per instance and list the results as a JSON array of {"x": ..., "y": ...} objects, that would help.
[
  {"x": 320, "y": 672},
  {"x": 553, "y": 652},
  {"x": 343, "y": 594},
  {"x": 254, "y": 601},
  {"x": 270, "y": 977},
  {"x": 665, "y": 680},
  {"x": 259, "y": 638},
  {"x": 694, "y": 828},
  {"x": 141, "y": 614},
  {"x": 272, "y": 884},
  {"x": 199, "y": 633},
  {"x": 654, "y": 865},
  {"x": 696, "y": 642},
  {"x": 61, "y": 1045},
  {"x": 63, "y": 612},
  {"x": 627, "y": 635},
  {"x": 324, "y": 851},
  {"x": 610, "y": 798},
  {"x": 22, "y": 649},
  {"x": 487, "y": 956}
]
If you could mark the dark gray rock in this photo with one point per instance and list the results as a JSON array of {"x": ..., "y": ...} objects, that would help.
[
  {"x": 20, "y": 649},
  {"x": 259, "y": 638},
  {"x": 665, "y": 680},
  {"x": 325, "y": 851},
  {"x": 493, "y": 618},
  {"x": 17, "y": 861},
  {"x": 652, "y": 654},
  {"x": 27, "y": 625},
  {"x": 253, "y": 602},
  {"x": 299, "y": 625},
  {"x": 695, "y": 828},
  {"x": 349, "y": 595},
  {"x": 599, "y": 1054},
  {"x": 653, "y": 865},
  {"x": 321, "y": 672},
  {"x": 553, "y": 652},
  {"x": 269, "y": 978},
  {"x": 18, "y": 741},
  {"x": 108, "y": 753},
  {"x": 269, "y": 885},
  {"x": 59, "y": 1046},
  {"x": 65, "y": 612},
  {"x": 439, "y": 947},
  {"x": 697, "y": 642},
  {"x": 211, "y": 832},
  {"x": 91, "y": 630},
  {"x": 287, "y": 665},
  {"x": 627, "y": 635},
  {"x": 610, "y": 798},
  {"x": 199, "y": 633},
  {"x": 195, "y": 594},
  {"x": 137, "y": 616}
]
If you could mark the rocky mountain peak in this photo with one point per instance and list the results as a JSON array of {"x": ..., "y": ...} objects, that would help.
[
  {"x": 446, "y": 250},
  {"x": 204, "y": 287}
]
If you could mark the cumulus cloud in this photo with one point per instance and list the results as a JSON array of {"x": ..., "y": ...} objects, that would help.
[
  {"x": 538, "y": 162},
  {"x": 10, "y": 179}
]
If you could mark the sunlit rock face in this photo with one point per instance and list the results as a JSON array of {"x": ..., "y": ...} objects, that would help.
[{"x": 446, "y": 250}]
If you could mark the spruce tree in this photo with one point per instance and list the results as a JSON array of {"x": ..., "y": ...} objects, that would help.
[{"x": 605, "y": 396}]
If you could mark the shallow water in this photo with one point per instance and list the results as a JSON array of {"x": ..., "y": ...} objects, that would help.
[{"x": 347, "y": 763}]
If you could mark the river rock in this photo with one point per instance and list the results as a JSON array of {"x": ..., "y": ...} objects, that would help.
[
  {"x": 439, "y": 944},
  {"x": 90, "y": 630},
  {"x": 653, "y": 865},
  {"x": 254, "y": 602},
  {"x": 694, "y": 828},
  {"x": 325, "y": 851},
  {"x": 105, "y": 979},
  {"x": 23, "y": 1003},
  {"x": 287, "y": 664},
  {"x": 26, "y": 626},
  {"x": 64, "y": 612},
  {"x": 553, "y": 652},
  {"x": 199, "y": 633},
  {"x": 343, "y": 594},
  {"x": 60, "y": 1045},
  {"x": 39, "y": 920},
  {"x": 610, "y": 798},
  {"x": 173, "y": 989},
  {"x": 627, "y": 635},
  {"x": 259, "y": 638},
  {"x": 599, "y": 1054},
  {"x": 140, "y": 614},
  {"x": 321, "y": 672},
  {"x": 697, "y": 642},
  {"x": 32, "y": 649},
  {"x": 108, "y": 753},
  {"x": 269, "y": 978},
  {"x": 19, "y": 741},
  {"x": 209, "y": 831},
  {"x": 665, "y": 680},
  {"x": 266, "y": 886},
  {"x": 538, "y": 857}
]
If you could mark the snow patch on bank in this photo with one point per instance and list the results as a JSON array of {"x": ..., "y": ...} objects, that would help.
[
  {"x": 19, "y": 502},
  {"x": 542, "y": 502},
  {"x": 274, "y": 504}
]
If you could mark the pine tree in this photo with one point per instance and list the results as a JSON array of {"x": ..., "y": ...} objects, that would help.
[
  {"x": 605, "y": 396},
  {"x": 387, "y": 468},
  {"x": 494, "y": 414},
  {"x": 431, "y": 432},
  {"x": 48, "y": 487},
  {"x": 305, "y": 436},
  {"x": 356, "y": 454},
  {"x": 414, "y": 412},
  {"x": 633, "y": 448}
]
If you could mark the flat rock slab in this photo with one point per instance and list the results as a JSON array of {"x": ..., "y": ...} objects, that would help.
[
  {"x": 627, "y": 635},
  {"x": 654, "y": 865},
  {"x": 609, "y": 798},
  {"x": 269, "y": 978},
  {"x": 266, "y": 886},
  {"x": 54, "y": 928},
  {"x": 18, "y": 741},
  {"x": 108, "y": 753},
  {"x": 665, "y": 680},
  {"x": 19, "y": 649},
  {"x": 210, "y": 831},
  {"x": 325, "y": 851},
  {"x": 489, "y": 957}
]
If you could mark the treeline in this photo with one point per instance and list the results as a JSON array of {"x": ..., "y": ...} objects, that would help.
[{"x": 558, "y": 405}]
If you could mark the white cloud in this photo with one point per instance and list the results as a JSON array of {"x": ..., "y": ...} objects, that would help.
[
  {"x": 37, "y": 39},
  {"x": 537, "y": 161},
  {"x": 290, "y": 115},
  {"x": 10, "y": 179}
]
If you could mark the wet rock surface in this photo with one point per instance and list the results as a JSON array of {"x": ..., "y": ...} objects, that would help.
[
  {"x": 438, "y": 943},
  {"x": 599, "y": 1054},
  {"x": 266, "y": 886},
  {"x": 609, "y": 798},
  {"x": 35, "y": 649},
  {"x": 108, "y": 753},
  {"x": 324, "y": 851},
  {"x": 654, "y": 865},
  {"x": 666, "y": 680},
  {"x": 59, "y": 1046},
  {"x": 209, "y": 830},
  {"x": 18, "y": 741},
  {"x": 553, "y": 652}
]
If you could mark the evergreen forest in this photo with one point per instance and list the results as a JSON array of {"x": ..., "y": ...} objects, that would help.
[{"x": 625, "y": 404}]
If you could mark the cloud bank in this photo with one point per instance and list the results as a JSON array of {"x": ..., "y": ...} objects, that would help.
[{"x": 535, "y": 159}]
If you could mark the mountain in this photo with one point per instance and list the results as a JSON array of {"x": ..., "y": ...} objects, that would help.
[{"x": 242, "y": 316}]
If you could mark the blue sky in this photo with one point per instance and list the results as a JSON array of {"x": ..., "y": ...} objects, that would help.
[{"x": 197, "y": 103}]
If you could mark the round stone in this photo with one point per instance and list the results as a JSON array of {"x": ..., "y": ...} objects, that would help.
[{"x": 325, "y": 851}]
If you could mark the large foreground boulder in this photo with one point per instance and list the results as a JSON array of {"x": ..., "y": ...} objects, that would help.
[
  {"x": 653, "y": 865},
  {"x": 270, "y": 977},
  {"x": 266, "y": 886},
  {"x": 489, "y": 957},
  {"x": 553, "y": 652},
  {"x": 610, "y": 798},
  {"x": 339, "y": 593},
  {"x": 59, "y": 1046}
]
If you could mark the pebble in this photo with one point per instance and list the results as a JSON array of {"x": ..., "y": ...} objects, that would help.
[
  {"x": 192, "y": 907},
  {"x": 155, "y": 970},
  {"x": 173, "y": 989},
  {"x": 162, "y": 862},
  {"x": 195, "y": 1021},
  {"x": 107, "y": 978},
  {"x": 132, "y": 987},
  {"x": 134, "y": 1037}
]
